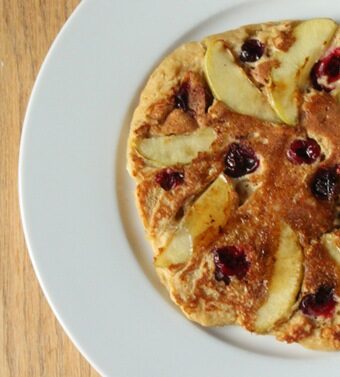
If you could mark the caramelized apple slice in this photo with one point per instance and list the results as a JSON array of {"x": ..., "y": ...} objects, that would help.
[
  {"x": 285, "y": 282},
  {"x": 336, "y": 94},
  {"x": 176, "y": 149},
  {"x": 331, "y": 241},
  {"x": 230, "y": 84},
  {"x": 210, "y": 211},
  {"x": 294, "y": 66}
]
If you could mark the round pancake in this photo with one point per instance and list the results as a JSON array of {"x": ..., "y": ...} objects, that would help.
[{"x": 266, "y": 207}]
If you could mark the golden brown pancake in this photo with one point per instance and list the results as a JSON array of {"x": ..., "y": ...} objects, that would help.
[{"x": 235, "y": 150}]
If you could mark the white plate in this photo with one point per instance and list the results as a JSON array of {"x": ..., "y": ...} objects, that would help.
[{"x": 81, "y": 227}]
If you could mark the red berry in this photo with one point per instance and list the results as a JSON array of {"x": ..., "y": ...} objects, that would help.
[
  {"x": 240, "y": 160},
  {"x": 329, "y": 68},
  {"x": 321, "y": 303},
  {"x": 303, "y": 151},
  {"x": 332, "y": 68},
  {"x": 251, "y": 50},
  {"x": 230, "y": 261},
  {"x": 168, "y": 178},
  {"x": 325, "y": 183},
  {"x": 182, "y": 97}
]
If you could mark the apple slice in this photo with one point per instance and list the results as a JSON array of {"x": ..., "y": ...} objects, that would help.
[
  {"x": 285, "y": 282},
  {"x": 336, "y": 94},
  {"x": 210, "y": 211},
  {"x": 331, "y": 241},
  {"x": 230, "y": 84},
  {"x": 176, "y": 149},
  {"x": 294, "y": 66}
]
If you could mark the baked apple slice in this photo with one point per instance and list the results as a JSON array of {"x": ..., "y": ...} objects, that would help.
[
  {"x": 176, "y": 149},
  {"x": 230, "y": 84},
  {"x": 209, "y": 212},
  {"x": 331, "y": 241},
  {"x": 293, "y": 67},
  {"x": 336, "y": 94},
  {"x": 285, "y": 282}
]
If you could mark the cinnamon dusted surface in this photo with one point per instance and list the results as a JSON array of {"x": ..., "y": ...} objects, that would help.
[
  {"x": 278, "y": 192},
  {"x": 281, "y": 194}
]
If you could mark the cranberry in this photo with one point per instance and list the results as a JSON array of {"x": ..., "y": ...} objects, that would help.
[
  {"x": 168, "y": 178},
  {"x": 321, "y": 303},
  {"x": 182, "y": 96},
  {"x": 332, "y": 69},
  {"x": 324, "y": 183},
  {"x": 230, "y": 261},
  {"x": 303, "y": 151},
  {"x": 328, "y": 67},
  {"x": 251, "y": 50},
  {"x": 240, "y": 160}
]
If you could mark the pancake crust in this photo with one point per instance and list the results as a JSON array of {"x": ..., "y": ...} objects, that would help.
[{"x": 277, "y": 192}]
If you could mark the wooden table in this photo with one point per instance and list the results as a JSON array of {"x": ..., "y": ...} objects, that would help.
[{"x": 32, "y": 342}]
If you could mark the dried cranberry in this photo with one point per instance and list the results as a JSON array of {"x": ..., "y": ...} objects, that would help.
[
  {"x": 230, "y": 261},
  {"x": 251, "y": 50},
  {"x": 240, "y": 160},
  {"x": 182, "y": 97},
  {"x": 329, "y": 68},
  {"x": 332, "y": 68},
  {"x": 321, "y": 303},
  {"x": 303, "y": 151},
  {"x": 168, "y": 178},
  {"x": 324, "y": 183}
]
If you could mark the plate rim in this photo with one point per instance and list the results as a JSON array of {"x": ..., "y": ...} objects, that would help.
[{"x": 23, "y": 145}]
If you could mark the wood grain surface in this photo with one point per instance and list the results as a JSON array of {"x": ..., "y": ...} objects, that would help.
[{"x": 32, "y": 342}]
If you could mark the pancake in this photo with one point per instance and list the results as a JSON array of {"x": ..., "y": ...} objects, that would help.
[{"x": 234, "y": 148}]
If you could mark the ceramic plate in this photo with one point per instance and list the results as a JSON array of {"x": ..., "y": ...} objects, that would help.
[{"x": 81, "y": 226}]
